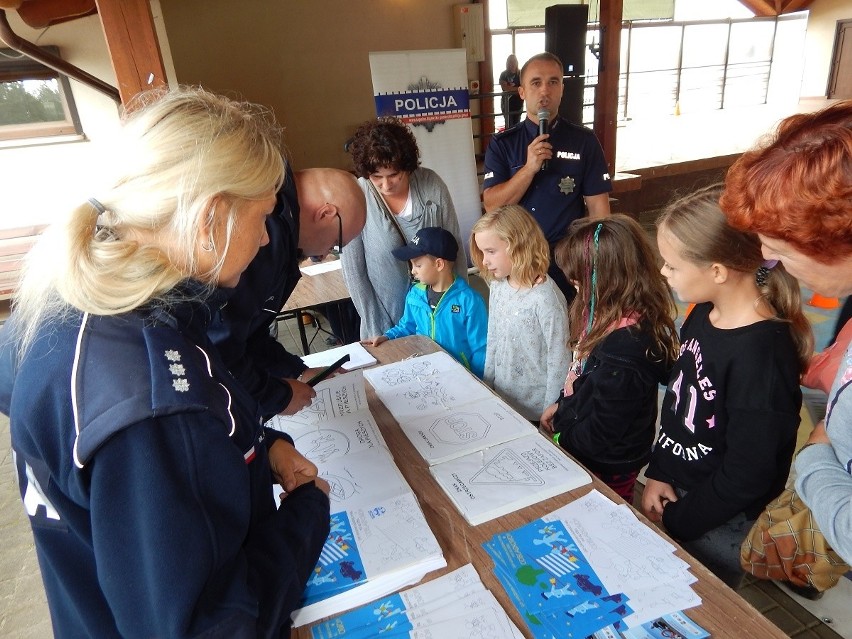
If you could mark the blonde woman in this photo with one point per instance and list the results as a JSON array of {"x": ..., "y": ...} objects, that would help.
[{"x": 142, "y": 465}]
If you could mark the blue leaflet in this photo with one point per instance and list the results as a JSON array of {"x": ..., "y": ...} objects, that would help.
[
  {"x": 379, "y": 616},
  {"x": 551, "y": 583},
  {"x": 547, "y": 568},
  {"x": 339, "y": 567}
]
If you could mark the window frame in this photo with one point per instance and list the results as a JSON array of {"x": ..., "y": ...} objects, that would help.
[{"x": 15, "y": 69}]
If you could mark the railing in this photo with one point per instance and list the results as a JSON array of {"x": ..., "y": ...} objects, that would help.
[{"x": 690, "y": 65}]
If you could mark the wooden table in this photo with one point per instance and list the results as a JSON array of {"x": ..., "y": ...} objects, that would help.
[
  {"x": 312, "y": 291},
  {"x": 723, "y": 612}
]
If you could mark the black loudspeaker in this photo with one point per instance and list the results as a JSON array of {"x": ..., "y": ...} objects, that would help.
[
  {"x": 571, "y": 107},
  {"x": 565, "y": 35}
]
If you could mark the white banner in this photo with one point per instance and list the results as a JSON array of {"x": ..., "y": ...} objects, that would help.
[{"x": 428, "y": 91}]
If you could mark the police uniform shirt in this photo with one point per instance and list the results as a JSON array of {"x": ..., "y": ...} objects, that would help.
[{"x": 555, "y": 197}]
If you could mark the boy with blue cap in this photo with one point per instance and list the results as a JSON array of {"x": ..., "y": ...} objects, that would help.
[{"x": 441, "y": 305}]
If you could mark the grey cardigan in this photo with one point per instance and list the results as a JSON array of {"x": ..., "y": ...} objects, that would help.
[{"x": 376, "y": 280}]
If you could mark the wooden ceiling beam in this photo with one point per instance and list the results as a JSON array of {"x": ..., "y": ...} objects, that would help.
[
  {"x": 775, "y": 7},
  {"x": 133, "y": 45},
  {"x": 791, "y": 6},
  {"x": 606, "y": 95},
  {"x": 761, "y": 7}
]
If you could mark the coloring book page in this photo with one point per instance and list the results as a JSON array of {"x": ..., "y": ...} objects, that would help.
[
  {"x": 508, "y": 477},
  {"x": 340, "y": 395},
  {"x": 343, "y": 435},
  {"x": 467, "y": 429},
  {"x": 424, "y": 386},
  {"x": 360, "y": 478}
]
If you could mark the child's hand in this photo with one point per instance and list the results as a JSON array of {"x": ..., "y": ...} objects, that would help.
[
  {"x": 375, "y": 341},
  {"x": 655, "y": 497},
  {"x": 546, "y": 421}
]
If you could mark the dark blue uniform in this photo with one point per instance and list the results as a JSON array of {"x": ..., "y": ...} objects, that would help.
[
  {"x": 144, "y": 470},
  {"x": 241, "y": 331},
  {"x": 555, "y": 197},
  {"x": 577, "y": 155}
]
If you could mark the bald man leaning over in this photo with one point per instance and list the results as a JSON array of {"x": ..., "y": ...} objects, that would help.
[{"x": 314, "y": 208}]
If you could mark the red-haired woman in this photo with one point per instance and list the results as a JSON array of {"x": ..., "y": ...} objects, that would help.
[{"x": 796, "y": 194}]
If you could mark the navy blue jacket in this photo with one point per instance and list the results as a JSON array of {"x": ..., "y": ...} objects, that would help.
[
  {"x": 555, "y": 197},
  {"x": 241, "y": 330},
  {"x": 144, "y": 471}
]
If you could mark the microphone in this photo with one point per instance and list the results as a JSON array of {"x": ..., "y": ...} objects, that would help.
[{"x": 543, "y": 115}]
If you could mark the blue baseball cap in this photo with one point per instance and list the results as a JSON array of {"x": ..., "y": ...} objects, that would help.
[{"x": 432, "y": 240}]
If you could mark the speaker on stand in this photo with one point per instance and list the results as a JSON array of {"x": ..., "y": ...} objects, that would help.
[{"x": 565, "y": 28}]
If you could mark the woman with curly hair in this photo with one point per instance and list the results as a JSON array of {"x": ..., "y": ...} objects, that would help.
[{"x": 402, "y": 198}]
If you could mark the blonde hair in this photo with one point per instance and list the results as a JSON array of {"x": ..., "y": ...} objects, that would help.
[
  {"x": 177, "y": 150},
  {"x": 699, "y": 224},
  {"x": 528, "y": 249},
  {"x": 616, "y": 269}
]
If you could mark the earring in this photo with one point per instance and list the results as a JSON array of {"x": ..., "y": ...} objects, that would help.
[{"x": 208, "y": 245}]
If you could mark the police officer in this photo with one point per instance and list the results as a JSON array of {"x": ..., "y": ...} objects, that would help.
[{"x": 575, "y": 177}]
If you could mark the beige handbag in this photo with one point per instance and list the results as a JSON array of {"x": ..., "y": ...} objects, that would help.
[{"x": 786, "y": 544}]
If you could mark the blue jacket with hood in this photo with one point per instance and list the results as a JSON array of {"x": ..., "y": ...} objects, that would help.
[{"x": 459, "y": 323}]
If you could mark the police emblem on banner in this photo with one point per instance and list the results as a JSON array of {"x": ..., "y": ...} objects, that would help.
[{"x": 425, "y": 103}]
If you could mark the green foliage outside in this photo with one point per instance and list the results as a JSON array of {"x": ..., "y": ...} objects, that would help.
[{"x": 40, "y": 102}]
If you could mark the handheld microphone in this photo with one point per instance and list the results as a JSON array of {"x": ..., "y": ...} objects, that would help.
[{"x": 543, "y": 115}]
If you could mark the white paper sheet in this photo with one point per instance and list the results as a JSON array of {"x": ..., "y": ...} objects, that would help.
[
  {"x": 508, "y": 477},
  {"x": 425, "y": 386},
  {"x": 321, "y": 267},
  {"x": 467, "y": 429},
  {"x": 358, "y": 357},
  {"x": 340, "y": 395}
]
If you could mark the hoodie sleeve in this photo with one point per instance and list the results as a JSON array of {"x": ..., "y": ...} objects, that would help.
[{"x": 197, "y": 552}]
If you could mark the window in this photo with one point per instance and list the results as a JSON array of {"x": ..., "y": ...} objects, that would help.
[{"x": 35, "y": 101}]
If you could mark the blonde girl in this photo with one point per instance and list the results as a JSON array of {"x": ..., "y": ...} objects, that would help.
[
  {"x": 625, "y": 342},
  {"x": 527, "y": 357},
  {"x": 728, "y": 422}
]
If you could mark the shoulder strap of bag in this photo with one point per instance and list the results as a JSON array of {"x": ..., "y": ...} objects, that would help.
[{"x": 386, "y": 211}]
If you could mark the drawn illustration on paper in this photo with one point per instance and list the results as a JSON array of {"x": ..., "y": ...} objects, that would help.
[
  {"x": 507, "y": 467},
  {"x": 460, "y": 428},
  {"x": 324, "y": 444}
]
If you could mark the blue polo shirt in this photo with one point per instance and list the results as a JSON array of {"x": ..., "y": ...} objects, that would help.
[{"x": 555, "y": 197}]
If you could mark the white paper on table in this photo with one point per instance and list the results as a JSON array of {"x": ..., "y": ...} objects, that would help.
[
  {"x": 424, "y": 386},
  {"x": 468, "y": 428},
  {"x": 321, "y": 267},
  {"x": 628, "y": 556},
  {"x": 361, "y": 478},
  {"x": 358, "y": 357},
  {"x": 490, "y": 622},
  {"x": 453, "y": 584},
  {"x": 343, "y": 435},
  {"x": 456, "y": 607},
  {"x": 655, "y": 602},
  {"x": 507, "y": 477},
  {"x": 336, "y": 396}
]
